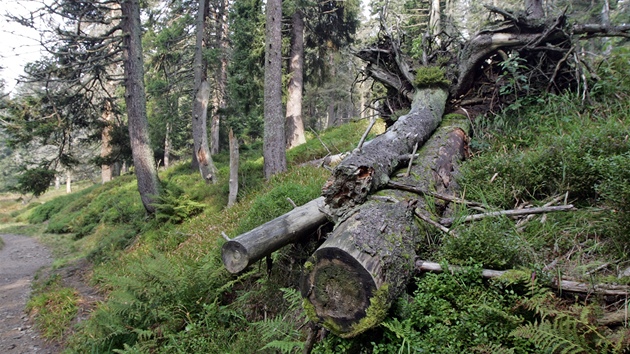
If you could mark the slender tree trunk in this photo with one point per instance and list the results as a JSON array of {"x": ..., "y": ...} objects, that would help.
[
  {"x": 202, "y": 96},
  {"x": 434, "y": 19},
  {"x": 294, "y": 124},
  {"x": 167, "y": 144},
  {"x": 106, "y": 138},
  {"x": 143, "y": 159},
  {"x": 234, "y": 156},
  {"x": 273, "y": 144},
  {"x": 68, "y": 181},
  {"x": 57, "y": 182},
  {"x": 221, "y": 77}
]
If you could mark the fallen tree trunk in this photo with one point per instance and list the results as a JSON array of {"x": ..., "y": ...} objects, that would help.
[
  {"x": 240, "y": 252},
  {"x": 368, "y": 169},
  {"x": 367, "y": 261}
]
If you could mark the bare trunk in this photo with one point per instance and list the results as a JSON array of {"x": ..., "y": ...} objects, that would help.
[
  {"x": 294, "y": 123},
  {"x": 202, "y": 97},
  {"x": 434, "y": 20},
  {"x": 68, "y": 181},
  {"x": 274, "y": 137},
  {"x": 106, "y": 138},
  {"x": 167, "y": 144},
  {"x": 534, "y": 9},
  {"x": 221, "y": 77},
  {"x": 57, "y": 182},
  {"x": 234, "y": 156},
  {"x": 143, "y": 159}
]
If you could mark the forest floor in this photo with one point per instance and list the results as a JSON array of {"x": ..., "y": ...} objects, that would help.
[{"x": 20, "y": 259}]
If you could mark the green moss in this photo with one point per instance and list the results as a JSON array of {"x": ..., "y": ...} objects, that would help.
[
  {"x": 309, "y": 309},
  {"x": 375, "y": 313},
  {"x": 308, "y": 266},
  {"x": 430, "y": 76}
]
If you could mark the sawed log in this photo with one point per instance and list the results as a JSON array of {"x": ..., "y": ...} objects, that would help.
[
  {"x": 242, "y": 251},
  {"x": 368, "y": 259}
]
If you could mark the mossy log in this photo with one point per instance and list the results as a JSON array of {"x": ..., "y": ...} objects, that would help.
[
  {"x": 364, "y": 264},
  {"x": 240, "y": 252},
  {"x": 368, "y": 259},
  {"x": 367, "y": 169}
]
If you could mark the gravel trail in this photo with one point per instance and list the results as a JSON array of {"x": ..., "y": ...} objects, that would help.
[{"x": 20, "y": 258}]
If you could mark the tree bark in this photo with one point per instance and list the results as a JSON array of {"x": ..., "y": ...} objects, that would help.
[
  {"x": 368, "y": 169},
  {"x": 244, "y": 250},
  {"x": 350, "y": 281},
  {"x": 106, "y": 138},
  {"x": 294, "y": 123},
  {"x": 222, "y": 32},
  {"x": 274, "y": 137},
  {"x": 365, "y": 263},
  {"x": 234, "y": 156},
  {"x": 202, "y": 97},
  {"x": 135, "y": 99}
]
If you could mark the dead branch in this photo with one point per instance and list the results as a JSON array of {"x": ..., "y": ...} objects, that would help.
[
  {"x": 512, "y": 212},
  {"x": 420, "y": 191}
]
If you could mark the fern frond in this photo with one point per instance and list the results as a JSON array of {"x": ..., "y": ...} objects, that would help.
[
  {"x": 558, "y": 337},
  {"x": 284, "y": 346}
]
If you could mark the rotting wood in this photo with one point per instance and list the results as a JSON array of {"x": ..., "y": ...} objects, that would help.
[
  {"x": 368, "y": 169},
  {"x": 512, "y": 212},
  {"x": 247, "y": 248}
]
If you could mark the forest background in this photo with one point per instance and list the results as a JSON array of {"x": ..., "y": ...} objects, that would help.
[{"x": 156, "y": 260}]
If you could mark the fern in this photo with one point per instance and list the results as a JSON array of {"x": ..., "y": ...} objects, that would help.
[
  {"x": 565, "y": 334},
  {"x": 284, "y": 346}
]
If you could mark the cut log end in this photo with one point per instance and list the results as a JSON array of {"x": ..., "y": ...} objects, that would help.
[
  {"x": 235, "y": 256},
  {"x": 340, "y": 288}
]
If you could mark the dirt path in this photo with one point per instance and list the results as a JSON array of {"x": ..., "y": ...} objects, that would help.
[{"x": 20, "y": 259}]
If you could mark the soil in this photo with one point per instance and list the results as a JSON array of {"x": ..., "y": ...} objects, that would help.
[{"x": 20, "y": 259}]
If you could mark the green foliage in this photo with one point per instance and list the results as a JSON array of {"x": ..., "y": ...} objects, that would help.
[
  {"x": 174, "y": 206},
  {"x": 278, "y": 333},
  {"x": 35, "y": 181},
  {"x": 54, "y": 307},
  {"x": 493, "y": 243},
  {"x": 566, "y": 332}
]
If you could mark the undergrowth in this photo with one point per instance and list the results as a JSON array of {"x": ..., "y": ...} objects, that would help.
[{"x": 167, "y": 290}]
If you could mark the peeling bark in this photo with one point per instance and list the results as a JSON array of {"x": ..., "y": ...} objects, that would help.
[{"x": 368, "y": 169}]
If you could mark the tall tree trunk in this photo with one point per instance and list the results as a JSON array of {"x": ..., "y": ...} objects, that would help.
[
  {"x": 294, "y": 124},
  {"x": 68, "y": 181},
  {"x": 534, "y": 8},
  {"x": 167, "y": 144},
  {"x": 202, "y": 96},
  {"x": 106, "y": 138},
  {"x": 234, "y": 156},
  {"x": 434, "y": 19},
  {"x": 273, "y": 144},
  {"x": 143, "y": 158},
  {"x": 221, "y": 76}
]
